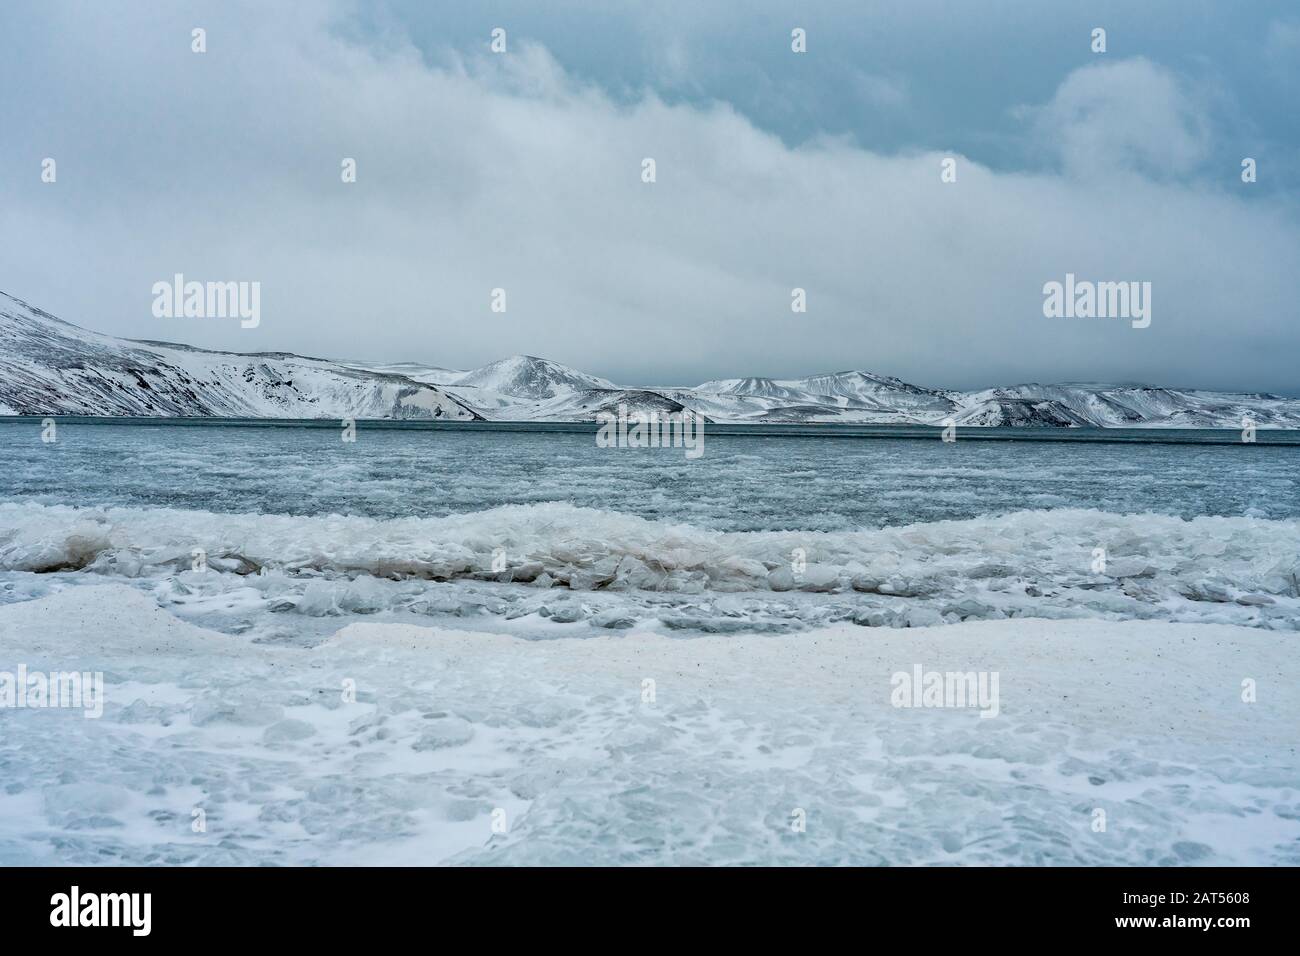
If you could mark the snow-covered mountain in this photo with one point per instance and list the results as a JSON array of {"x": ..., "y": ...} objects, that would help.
[
  {"x": 48, "y": 366},
  {"x": 521, "y": 387},
  {"x": 1018, "y": 412},
  {"x": 530, "y": 389},
  {"x": 838, "y": 396},
  {"x": 1143, "y": 406},
  {"x": 415, "y": 371},
  {"x": 528, "y": 377},
  {"x": 525, "y": 387}
]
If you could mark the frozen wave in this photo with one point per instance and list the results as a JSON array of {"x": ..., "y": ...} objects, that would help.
[{"x": 1062, "y": 562}]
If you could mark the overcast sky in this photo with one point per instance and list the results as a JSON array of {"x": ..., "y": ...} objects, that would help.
[{"x": 775, "y": 170}]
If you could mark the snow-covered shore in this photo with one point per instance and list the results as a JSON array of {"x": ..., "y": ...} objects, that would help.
[{"x": 557, "y": 743}]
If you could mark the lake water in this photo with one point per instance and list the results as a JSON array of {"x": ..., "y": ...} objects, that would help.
[
  {"x": 794, "y": 480},
  {"x": 769, "y": 530}
]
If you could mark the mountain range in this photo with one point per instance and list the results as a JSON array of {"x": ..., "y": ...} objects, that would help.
[{"x": 51, "y": 367}]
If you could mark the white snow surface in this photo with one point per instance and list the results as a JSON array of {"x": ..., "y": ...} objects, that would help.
[{"x": 1144, "y": 721}]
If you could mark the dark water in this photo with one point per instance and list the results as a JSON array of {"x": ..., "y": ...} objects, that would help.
[{"x": 787, "y": 477}]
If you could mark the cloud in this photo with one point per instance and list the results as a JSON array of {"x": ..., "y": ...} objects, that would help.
[
  {"x": 889, "y": 92},
  {"x": 1126, "y": 115},
  {"x": 1282, "y": 46},
  {"x": 478, "y": 172}
]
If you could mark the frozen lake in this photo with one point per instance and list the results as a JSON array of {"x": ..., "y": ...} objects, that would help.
[
  {"x": 541, "y": 530},
  {"x": 231, "y": 583},
  {"x": 794, "y": 480}
]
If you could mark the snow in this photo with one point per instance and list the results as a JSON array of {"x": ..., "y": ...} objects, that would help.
[
  {"x": 531, "y": 378},
  {"x": 50, "y": 367},
  {"x": 1142, "y": 720},
  {"x": 415, "y": 371}
]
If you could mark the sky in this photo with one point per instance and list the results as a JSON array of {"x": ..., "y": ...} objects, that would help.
[{"x": 774, "y": 170}]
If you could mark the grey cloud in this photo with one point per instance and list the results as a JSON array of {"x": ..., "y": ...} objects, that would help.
[
  {"x": 1120, "y": 115},
  {"x": 477, "y": 172}
]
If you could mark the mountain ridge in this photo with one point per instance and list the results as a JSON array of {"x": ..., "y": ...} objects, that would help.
[
  {"x": 49, "y": 366},
  {"x": 52, "y": 367}
]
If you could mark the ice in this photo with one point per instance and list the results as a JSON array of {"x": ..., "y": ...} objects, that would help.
[
  {"x": 452, "y": 731},
  {"x": 598, "y": 569}
]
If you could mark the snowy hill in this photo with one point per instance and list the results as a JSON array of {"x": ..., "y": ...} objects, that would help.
[
  {"x": 852, "y": 396},
  {"x": 866, "y": 398},
  {"x": 415, "y": 371},
  {"x": 531, "y": 378},
  {"x": 50, "y": 367},
  {"x": 518, "y": 388},
  {"x": 1019, "y": 413},
  {"x": 1142, "y": 406},
  {"x": 506, "y": 391}
]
